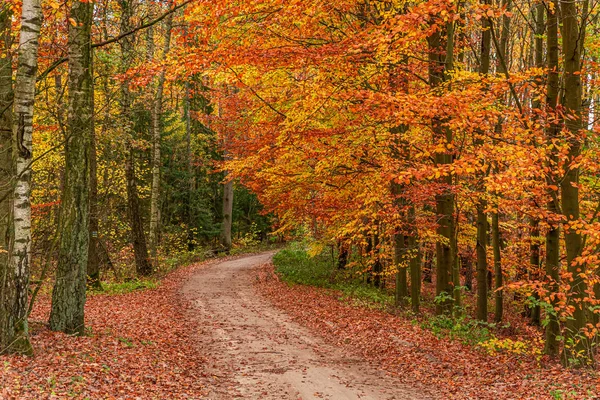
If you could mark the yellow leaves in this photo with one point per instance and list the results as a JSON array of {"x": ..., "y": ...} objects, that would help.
[
  {"x": 493, "y": 346},
  {"x": 315, "y": 248}
]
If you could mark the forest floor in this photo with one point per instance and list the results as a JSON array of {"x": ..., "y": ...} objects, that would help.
[
  {"x": 407, "y": 348},
  {"x": 231, "y": 329}
]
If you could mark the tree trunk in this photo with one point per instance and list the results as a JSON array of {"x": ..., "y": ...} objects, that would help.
[
  {"x": 572, "y": 39},
  {"x": 482, "y": 268},
  {"x": 68, "y": 296},
  {"x": 482, "y": 223},
  {"x": 438, "y": 50},
  {"x": 552, "y": 129},
  {"x": 534, "y": 266},
  {"x": 497, "y": 267},
  {"x": 140, "y": 249},
  {"x": 534, "y": 246},
  {"x": 400, "y": 261},
  {"x": 377, "y": 266},
  {"x": 156, "y": 142},
  {"x": 227, "y": 215},
  {"x": 142, "y": 262},
  {"x": 31, "y": 20},
  {"x": 428, "y": 267},
  {"x": 7, "y": 276},
  {"x": 94, "y": 248},
  {"x": 415, "y": 263},
  {"x": 343, "y": 253},
  {"x": 467, "y": 263},
  {"x": 191, "y": 242}
]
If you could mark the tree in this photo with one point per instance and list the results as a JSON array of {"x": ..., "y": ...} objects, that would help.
[
  {"x": 440, "y": 53},
  {"x": 69, "y": 294},
  {"x": 7, "y": 275},
  {"x": 482, "y": 220},
  {"x": 552, "y": 130},
  {"x": 142, "y": 262},
  {"x": 573, "y": 39},
  {"x": 20, "y": 257},
  {"x": 156, "y": 143},
  {"x": 227, "y": 214}
]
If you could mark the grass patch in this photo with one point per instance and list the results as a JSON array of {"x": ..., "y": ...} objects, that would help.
[
  {"x": 464, "y": 329},
  {"x": 128, "y": 286},
  {"x": 295, "y": 266}
]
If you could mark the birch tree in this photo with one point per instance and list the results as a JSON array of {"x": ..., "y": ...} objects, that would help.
[{"x": 20, "y": 257}]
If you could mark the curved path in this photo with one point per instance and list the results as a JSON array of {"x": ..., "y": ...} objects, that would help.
[{"x": 255, "y": 351}]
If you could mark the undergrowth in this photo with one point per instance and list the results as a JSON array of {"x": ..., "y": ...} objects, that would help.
[
  {"x": 127, "y": 286},
  {"x": 294, "y": 265}
]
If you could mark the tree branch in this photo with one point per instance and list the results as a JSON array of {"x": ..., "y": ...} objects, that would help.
[{"x": 62, "y": 60}]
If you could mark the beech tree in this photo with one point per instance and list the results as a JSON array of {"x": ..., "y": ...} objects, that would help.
[{"x": 68, "y": 296}]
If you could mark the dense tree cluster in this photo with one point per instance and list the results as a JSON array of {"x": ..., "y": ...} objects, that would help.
[
  {"x": 110, "y": 156},
  {"x": 428, "y": 137}
]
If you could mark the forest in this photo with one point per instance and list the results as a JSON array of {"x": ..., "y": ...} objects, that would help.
[{"x": 437, "y": 156}]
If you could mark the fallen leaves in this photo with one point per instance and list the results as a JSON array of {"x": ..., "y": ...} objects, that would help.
[
  {"x": 447, "y": 369},
  {"x": 139, "y": 346}
]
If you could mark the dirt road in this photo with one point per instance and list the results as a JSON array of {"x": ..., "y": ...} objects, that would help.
[{"x": 257, "y": 352}]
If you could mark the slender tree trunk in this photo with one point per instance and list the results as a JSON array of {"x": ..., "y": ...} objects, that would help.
[
  {"x": 467, "y": 263},
  {"x": 377, "y": 266},
  {"x": 497, "y": 266},
  {"x": 400, "y": 250},
  {"x": 572, "y": 39},
  {"x": 414, "y": 263},
  {"x": 31, "y": 21},
  {"x": 190, "y": 169},
  {"x": 95, "y": 248},
  {"x": 343, "y": 253},
  {"x": 552, "y": 129},
  {"x": 227, "y": 215},
  {"x": 140, "y": 249},
  {"x": 534, "y": 246},
  {"x": 400, "y": 261},
  {"x": 482, "y": 268},
  {"x": 68, "y": 296},
  {"x": 534, "y": 266},
  {"x": 156, "y": 142},
  {"x": 438, "y": 51},
  {"x": 398, "y": 150},
  {"x": 428, "y": 267},
  {"x": 482, "y": 221},
  {"x": 7, "y": 278}
]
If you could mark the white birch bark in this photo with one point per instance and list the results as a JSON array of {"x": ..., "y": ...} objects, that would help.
[{"x": 31, "y": 21}]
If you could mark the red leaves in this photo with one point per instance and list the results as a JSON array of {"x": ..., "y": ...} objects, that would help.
[
  {"x": 447, "y": 369},
  {"x": 139, "y": 346}
]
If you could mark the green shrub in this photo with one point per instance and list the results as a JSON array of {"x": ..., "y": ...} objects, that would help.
[
  {"x": 295, "y": 266},
  {"x": 461, "y": 328},
  {"x": 127, "y": 286}
]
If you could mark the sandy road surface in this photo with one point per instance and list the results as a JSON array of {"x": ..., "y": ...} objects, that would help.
[{"x": 257, "y": 352}]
